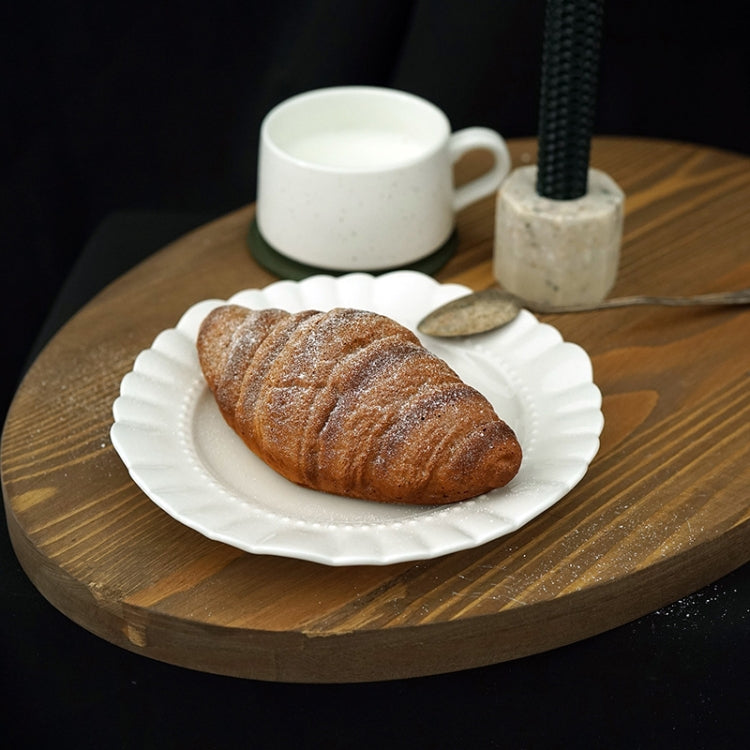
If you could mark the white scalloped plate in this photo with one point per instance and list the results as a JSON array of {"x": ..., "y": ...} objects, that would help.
[{"x": 180, "y": 452}]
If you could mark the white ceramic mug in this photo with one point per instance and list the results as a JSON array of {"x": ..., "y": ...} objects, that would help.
[{"x": 360, "y": 178}]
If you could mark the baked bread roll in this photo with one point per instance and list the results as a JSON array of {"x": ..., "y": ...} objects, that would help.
[{"x": 349, "y": 402}]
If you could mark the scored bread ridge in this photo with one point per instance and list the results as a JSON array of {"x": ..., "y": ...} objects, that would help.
[{"x": 350, "y": 402}]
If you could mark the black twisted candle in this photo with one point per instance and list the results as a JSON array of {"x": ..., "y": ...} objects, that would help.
[{"x": 570, "y": 63}]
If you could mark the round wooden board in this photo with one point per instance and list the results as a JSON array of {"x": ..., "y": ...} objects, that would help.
[{"x": 663, "y": 511}]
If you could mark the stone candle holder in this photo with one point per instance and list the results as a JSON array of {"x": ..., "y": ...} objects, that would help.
[{"x": 558, "y": 252}]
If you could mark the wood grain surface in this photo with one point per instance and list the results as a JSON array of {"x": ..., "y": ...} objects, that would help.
[{"x": 663, "y": 510}]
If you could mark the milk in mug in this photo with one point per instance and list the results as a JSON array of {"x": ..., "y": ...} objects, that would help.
[{"x": 360, "y": 148}]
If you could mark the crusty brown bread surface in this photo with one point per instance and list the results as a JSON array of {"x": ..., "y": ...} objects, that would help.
[{"x": 349, "y": 402}]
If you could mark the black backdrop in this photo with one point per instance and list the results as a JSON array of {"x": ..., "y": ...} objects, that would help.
[{"x": 144, "y": 106}]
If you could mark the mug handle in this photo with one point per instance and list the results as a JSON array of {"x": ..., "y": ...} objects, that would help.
[{"x": 470, "y": 139}]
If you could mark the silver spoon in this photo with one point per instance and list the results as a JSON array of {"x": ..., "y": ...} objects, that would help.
[{"x": 492, "y": 308}]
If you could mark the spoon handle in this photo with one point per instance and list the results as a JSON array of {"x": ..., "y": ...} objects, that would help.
[{"x": 738, "y": 297}]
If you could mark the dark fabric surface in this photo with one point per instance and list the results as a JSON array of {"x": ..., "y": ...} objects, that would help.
[
  {"x": 675, "y": 678},
  {"x": 122, "y": 240}
]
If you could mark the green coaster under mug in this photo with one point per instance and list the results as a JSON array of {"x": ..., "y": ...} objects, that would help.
[{"x": 287, "y": 268}]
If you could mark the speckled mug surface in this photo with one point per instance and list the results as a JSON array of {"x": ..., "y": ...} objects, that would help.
[{"x": 360, "y": 178}]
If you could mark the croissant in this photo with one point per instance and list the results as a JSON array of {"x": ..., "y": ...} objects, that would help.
[{"x": 349, "y": 402}]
